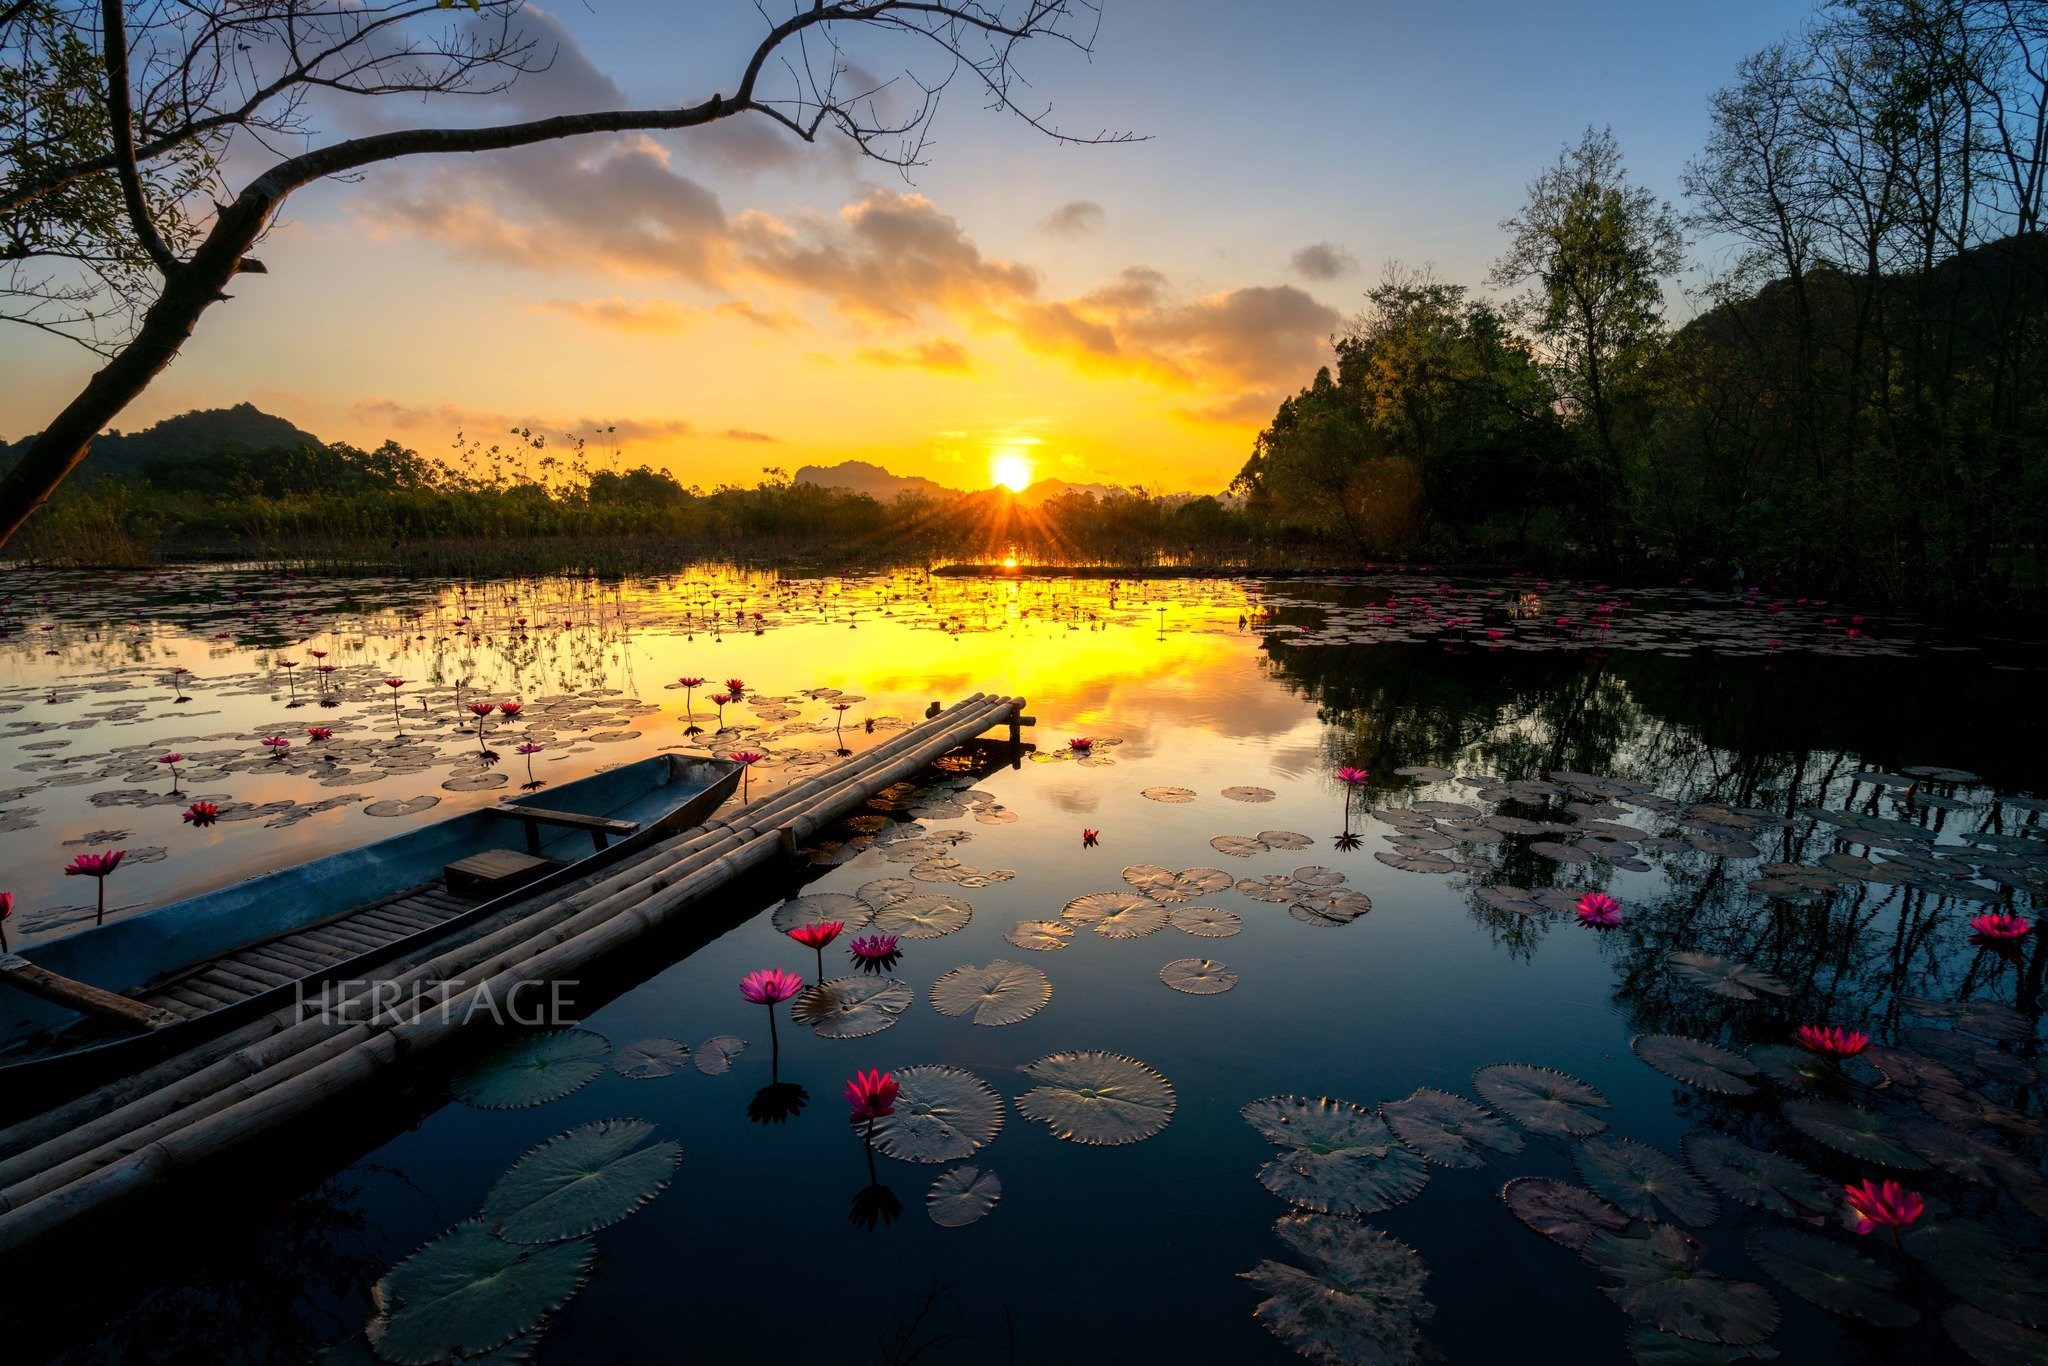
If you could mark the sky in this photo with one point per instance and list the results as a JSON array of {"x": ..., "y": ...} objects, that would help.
[{"x": 731, "y": 299}]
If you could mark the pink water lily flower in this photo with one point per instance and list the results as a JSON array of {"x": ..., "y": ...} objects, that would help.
[
  {"x": 871, "y": 1095},
  {"x": 320, "y": 732},
  {"x": 817, "y": 937},
  {"x": 1999, "y": 925},
  {"x": 1888, "y": 1206},
  {"x": 1353, "y": 777},
  {"x": 1598, "y": 910},
  {"x": 98, "y": 867},
  {"x": 1831, "y": 1041},
  {"x": 874, "y": 949},
  {"x": 277, "y": 745},
  {"x": 770, "y": 985},
  {"x": 6, "y": 914},
  {"x": 1081, "y": 744},
  {"x": 201, "y": 814}
]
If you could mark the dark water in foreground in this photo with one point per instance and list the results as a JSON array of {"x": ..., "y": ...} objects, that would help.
[{"x": 1700, "y": 740}]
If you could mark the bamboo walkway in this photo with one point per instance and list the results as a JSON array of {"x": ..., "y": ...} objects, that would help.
[{"x": 83, "y": 1156}]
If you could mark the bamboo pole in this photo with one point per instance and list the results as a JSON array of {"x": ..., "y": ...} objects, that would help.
[
  {"x": 246, "y": 1104},
  {"x": 226, "y": 1061}
]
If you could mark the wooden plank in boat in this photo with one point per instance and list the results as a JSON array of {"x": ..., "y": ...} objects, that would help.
[{"x": 496, "y": 870}]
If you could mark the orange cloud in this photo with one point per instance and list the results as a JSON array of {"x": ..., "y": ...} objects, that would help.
[
  {"x": 623, "y": 315},
  {"x": 947, "y": 357}
]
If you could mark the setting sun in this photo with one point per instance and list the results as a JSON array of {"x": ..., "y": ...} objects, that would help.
[{"x": 1010, "y": 471}]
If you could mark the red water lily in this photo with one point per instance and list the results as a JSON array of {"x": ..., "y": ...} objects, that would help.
[
  {"x": 511, "y": 709},
  {"x": 1831, "y": 1041},
  {"x": 768, "y": 987},
  {"x": 6, "y": 914},
  {"x": 1089, "y": 837},
  {"x": 817, "y": 937},
  {"x": 320, "y": 732},
  {"x": 872, "y": 1095},
  {"x": 1599, "y": 910},
  {"x": 873, "y": 952},
  {"x": 201, "y": 814},
  {"x": 1999, "y": 925},
  {"x": 1888, "y": 1206},
  {"x": 98, "y": 867}
]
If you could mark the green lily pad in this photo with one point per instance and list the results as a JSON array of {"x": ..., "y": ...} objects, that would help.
[
  {"x": 962, "y": 1196},
  {"x": 1806, "y": 1071},
  {"x": 1540, "y": 1099},
  {"x": 926, "y": 916},
  {"x": 714, "y": 1056},
  {"x": 533, "y": 1070},
  {"x": 1169, "y": 888},
  {"x": 851, "y": 1007},
  {"x": 1449, "y": 1130},
  {"x": 467, "y": 1292},
  {"x": 1696, "y": 1063},
  {"x": 1336, "y": 1157},
  {"x": 1992, "y": 1341},
  {"x": 1981, "y": 1267},
  {"x": 1205, "y": 922},
  {"x": 1041, "y": 936},
  {"x": 1566, "y": 1214},
  {"x": 1829, "y": 1273},
  {"x": 1330, "y": 907},
  {"x": 1863, "y": 1134},
  {"x": 1651, "y": 1348},
  {"x": 581, "y": 1181},
  {"x": 1198, "y": 976},
  {"x": 819, "y": 908},
  {"x": 1096, "y": 907},
  {"x": 1725, "y": 976},
  {"x": 1102, "y": 1099},
  {"x": 1640, "y": 1179},
  {"x": 1762, "y": 1180},
  {"x": 1001, "y": 993},
  {"x": 942, "y": 1115},
  {"x": 644, "y": 1059},
  {"x": 1359, "y": 1301},
  {"x": 1659, "y": 1282}
]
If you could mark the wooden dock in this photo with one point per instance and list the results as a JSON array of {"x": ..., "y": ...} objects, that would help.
[{"x": 80, "y": 1157}]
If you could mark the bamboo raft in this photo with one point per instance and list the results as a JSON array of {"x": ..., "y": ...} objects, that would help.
[{"x": 80, "y": 1157}]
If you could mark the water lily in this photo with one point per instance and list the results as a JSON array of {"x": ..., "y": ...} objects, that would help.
[
  {"x": 816, "y": 937},
  {"x": 319, "y": 732},
  {"x": 1999, "y": 925},
  {"x": 276, "y": 744},
  {"x": 1353, "y": 777},
  {"x": 98, "y": 867},
  {"x": 720, "y": 699},
  {"x": 1831, "y": 1041},
  {"x": 872, "y": 1095},
  {"x": 529, "y": 749},
  {"x": 736, "y": 686},
  {"x": 6, "y": 914},
  {"x": 1599, "y": 910},
  {"x": 747, "y": 758},
  {"x": 171, "y": 761},
  {"x": 511, "y": 710},
  {"x": 1089, "y": 837},
  {"x": 769, "y": 987},
  {"x": 394, "y": 684},
  {"x": 1888, "y": 1206},
  {"x": 875, "y": 952},
  {"x": 201, "y": 814},
  {"x": 1081, "y": 745}
]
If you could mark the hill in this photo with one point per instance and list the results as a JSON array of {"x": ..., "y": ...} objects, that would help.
[{"x": 188, "y": 436}]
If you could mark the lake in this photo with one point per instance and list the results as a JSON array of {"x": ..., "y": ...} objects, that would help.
[{"x": 1216, "y": 1003}]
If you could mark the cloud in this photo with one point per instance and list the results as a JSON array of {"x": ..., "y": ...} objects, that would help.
[
  {"x": 1323, "y": 261},
  {"x": 742, "y": 434},
  {"x": 939, "y": 354},
  {"x": 623, "y": 315},
  {"x": 1076, "y": 219},
  {"x": 476, "y": 424},
  {"x": 772, "y": 319}
]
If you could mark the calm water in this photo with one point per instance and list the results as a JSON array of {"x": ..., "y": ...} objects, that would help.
[{"x": 1720, "y": 727}]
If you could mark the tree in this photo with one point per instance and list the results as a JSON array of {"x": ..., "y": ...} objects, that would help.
[
  {"x": 122, "y": 121},
  {"x": 1591, "y": 247}
]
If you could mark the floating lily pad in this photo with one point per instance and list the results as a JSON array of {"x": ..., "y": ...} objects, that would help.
[
  {"x": 927, "y": 916},
  {"x": 1336, "y": 1157},
  {"x": 1042, "y": 936},
  {"x": 714, "y": 1056},
  {"x": 648, "y": 1058},
  {"x": 1641, "y": 1179},
  {"x": 1981, "y": 1267},
  {"x": 1172, "y": 795},
  {"x": 1807, "y": 1071},
  {"x": 1198, "y": 976},
  {"x": 1763, "y": 1180},
  {"x": 1566, "y": 1214},
  {"x": 1284, "y": 839},
  {"x": 533, "y": 1070},
  {"x": 1540, "y": 1099},
  {"x": 884, "y": 890},
  {"x": 1651, "y": 1348},
  {"x": 851, "y": 1007},
  {"x": 819, "y": 908},
  {"x": 1237, "y": 846},
  {"x": 1448, "y": 1130},
  {"x": 1170, "y": 888},
  {"x": 1863, "y": 1134},
  {"x": 1993, "y": 1341},
  {"x": 962, "y": 1196},
  {"x": 1829, "y": 1273},
  {"x": 1661, "y": 1284},
  {"x": 1696, "y": 1063},
  {"x": 1359, "y": 1302},
  {"x": 1205, "y": 922},
  {"x": 581, "y": 1181},
  {"x": 1250, "y": 794},
  {"x": 1725, "y": 976},
  {"x": 999, "y": 994},
  {"x": 1331, "y": 907},
  {"x": 1102, "y": 1099},
  {"x": 468, "y": 1292},
  {"x": 411, "y": 806},
  {"x": 1096, "y": 907},
  {"x": 942, "y": 1115}
]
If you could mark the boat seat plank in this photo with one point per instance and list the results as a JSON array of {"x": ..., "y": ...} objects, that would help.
[
  {"x": 497, "y": 870},
  {"x": 602, "y": 828}
]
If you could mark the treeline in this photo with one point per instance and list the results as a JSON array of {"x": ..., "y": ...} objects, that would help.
[
  {"x": 1861, "y": 402},
  {"x": 336, "y": 503}
]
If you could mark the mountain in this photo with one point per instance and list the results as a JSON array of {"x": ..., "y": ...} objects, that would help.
[
  {"x": 188, "y": 436},
  {"x": 858, "y": 476}
]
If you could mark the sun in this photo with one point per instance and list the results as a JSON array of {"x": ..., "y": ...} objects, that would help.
[{"x": 1010, "y": 471}]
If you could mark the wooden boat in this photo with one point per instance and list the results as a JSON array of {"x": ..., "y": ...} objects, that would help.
[{"x": 117, "y": 995}]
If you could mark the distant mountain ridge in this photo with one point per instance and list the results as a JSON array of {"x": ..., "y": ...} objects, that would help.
[
  {"x": 188, "y": 436},
  {"x": 861, "y": 476}
]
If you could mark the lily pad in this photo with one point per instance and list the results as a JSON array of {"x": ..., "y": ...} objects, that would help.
[
  {"x": 1540, "y": 1099},
  {"x": 581, "y": 1181},
  {"x": 1041, "y": 936},
  {"x": 1566, "y": 1214},
  {"x": 1205, "y": 922},
  {"x": 1173, "y": 795},
  {"x": 942, "y": 1115},
  {"x": 714, "y": 1056},
  {"x": 1810, "y": 1072},
  {"x": 1725, "y": 976},
  {"x": 1696, "y": 1062},
  {"x": 1641, "y": 1179},
  {"x": 1132, "y": 913},
  {"x": 1649, "y": 1347},
  {"x": 1993, "y": 1341},
  {"x": 533, "y": 1070},
  {"x": 1762, "y": 1180},
  {"x": 819, "y": 908},
  {"x": 851, "y": 1007},
  {"x": 962, "y": 1196},
  {"x": 1826, "y": 1272},
  {"x": 1660, "y": 1283},
  {"x": 884, "y": 890},
  {"x": 1336, "y": 1157},
  {"x": 1170, "y": 888},
  {"x": 468, "y": 1292},
  {"x": 926, "y": 916},
  {"x": 1102, "y": 1099},
  {"x": 1330, "y": 907},
  {"x": 1981, "y": 1267},
  {"x": 1198, "y": 976},
  {"x": 1001, "y": 993},
  {"x": 648, "y": 1058},
  {"x": 1863, "y": 1134},
  {"x": 1448, "y": 1130},
  {"x": 1250, "y": 794},
  {"x": 1359, "y": 1302}
]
